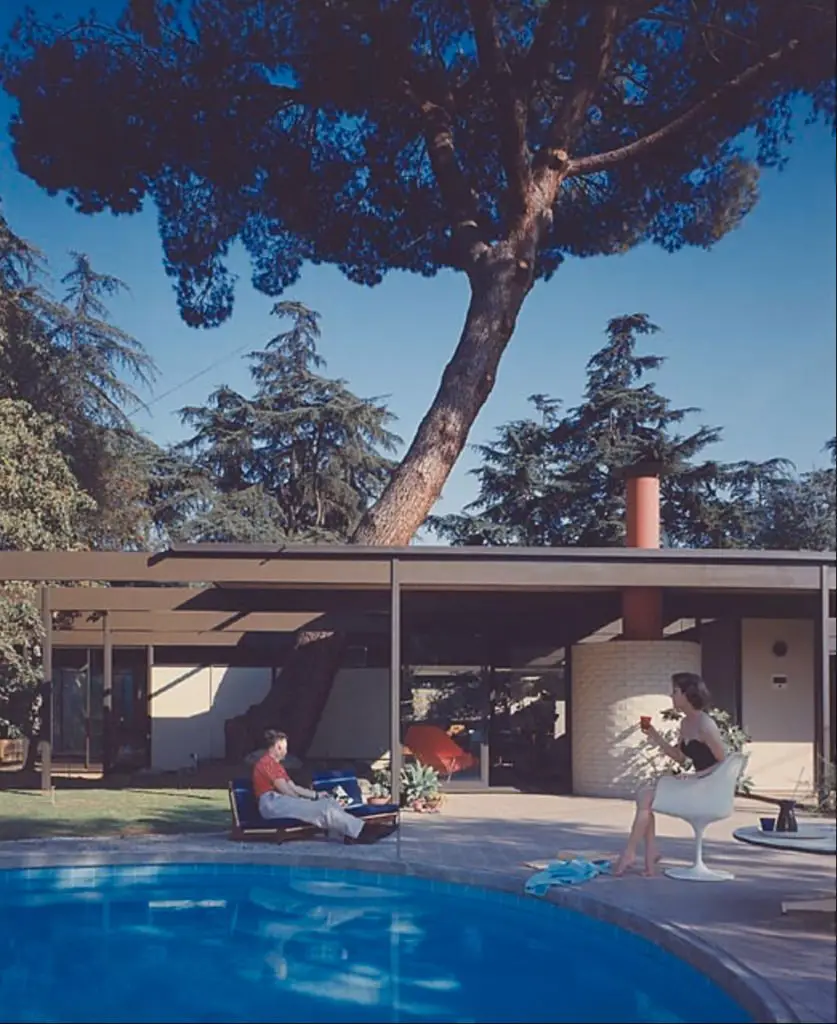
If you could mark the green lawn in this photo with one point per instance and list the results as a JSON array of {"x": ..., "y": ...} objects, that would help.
[{"x": 29, "y": 814}]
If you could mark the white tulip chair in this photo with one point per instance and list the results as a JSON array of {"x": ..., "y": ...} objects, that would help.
[{"x": 700, "y": 801}]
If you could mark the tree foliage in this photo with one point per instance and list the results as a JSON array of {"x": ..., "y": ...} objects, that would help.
[
  {"x": 299, "y": 460},
  {"x": 367, "y": 133},
  {"x": 800, "y": 514},
  {"x": 68, "y": 361},
  {"x": 42, "y": 508},
  {"x": 559, "y": 479}
]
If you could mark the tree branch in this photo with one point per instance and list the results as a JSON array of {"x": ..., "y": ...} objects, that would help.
[
  {"x": 432, "y": 99},
  {"x": 511, "y": 106},
  {"x": 457, "y": 196},
  {"x": 639, "y": 147},
  {"x": 534, "y": 63},
  {"x": 595, "y": 54}
]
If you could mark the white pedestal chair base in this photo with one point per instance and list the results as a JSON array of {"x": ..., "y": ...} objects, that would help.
[
  {"x": 700, "y": 800},
  {"x": 699, "y": 873}
]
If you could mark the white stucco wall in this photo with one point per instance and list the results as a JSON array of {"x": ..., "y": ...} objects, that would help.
[
  {"x": 189, "y": 705},
  {"x": 612, "y": 685},
  {"x": 355, "y": 723},
  {"x": 180, "y": 699},
  {"x": 780, "y": 722}
]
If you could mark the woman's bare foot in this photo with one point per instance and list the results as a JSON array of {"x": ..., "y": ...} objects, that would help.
[{"x": 623, "y": 864}]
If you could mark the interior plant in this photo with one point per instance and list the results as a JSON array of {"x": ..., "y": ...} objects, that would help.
[
  {"x": 734, "y": 737},
  {"x": 421, "y": 787}
]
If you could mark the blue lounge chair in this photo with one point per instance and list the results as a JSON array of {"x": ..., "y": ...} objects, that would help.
[
  {"x": 248, "y": 824},
  {"x": 335, "y": 781}
]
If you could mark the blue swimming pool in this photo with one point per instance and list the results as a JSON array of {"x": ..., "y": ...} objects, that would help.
[{"x": 217, "y": 942}]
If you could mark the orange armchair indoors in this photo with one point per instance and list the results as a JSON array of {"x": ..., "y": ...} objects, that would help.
[{"x": 432, "y": 746}]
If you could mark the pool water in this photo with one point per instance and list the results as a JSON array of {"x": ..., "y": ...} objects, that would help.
[{"x": 177, "y": 943}]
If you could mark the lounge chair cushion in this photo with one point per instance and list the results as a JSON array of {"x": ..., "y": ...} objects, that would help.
[
  {"x": 340, "y": 784},
  {"x": 373, "y": 810},
  {"x": 336, "y": 781}
]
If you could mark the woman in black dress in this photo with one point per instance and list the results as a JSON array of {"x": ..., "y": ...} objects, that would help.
[{"x": 700, "y": 743}]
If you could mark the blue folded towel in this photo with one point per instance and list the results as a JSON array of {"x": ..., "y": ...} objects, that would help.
[{"x": 566, "y": 872}]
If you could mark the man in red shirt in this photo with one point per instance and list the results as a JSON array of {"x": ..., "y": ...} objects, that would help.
[{"x": 279, "y": 797}]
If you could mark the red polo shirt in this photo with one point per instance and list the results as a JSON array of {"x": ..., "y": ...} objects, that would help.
[{"x": 266, "y": 771}]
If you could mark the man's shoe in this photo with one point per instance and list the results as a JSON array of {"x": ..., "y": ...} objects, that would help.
[
  {"x": 370, "y": 834},
  {"x": 363, "y": 838}
]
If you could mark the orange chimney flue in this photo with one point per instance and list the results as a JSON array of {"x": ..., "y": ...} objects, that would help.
[
  {"x": 643, "y": 508},
  {"x": 642, "y": 607}
]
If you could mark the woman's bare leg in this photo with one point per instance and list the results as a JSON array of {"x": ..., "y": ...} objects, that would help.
[
  {"x": 651, "y": 855},
  {"x": 639, "y": 830}
]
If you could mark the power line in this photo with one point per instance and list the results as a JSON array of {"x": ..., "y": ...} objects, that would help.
[{"x": 184, "y": 383}]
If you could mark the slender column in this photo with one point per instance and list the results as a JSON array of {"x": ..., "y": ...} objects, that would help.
[
  {"x": 107, "y": 695},
  {"x": 46, "y": 735},
  {"x": 149, "y": 671},
  {"x": 395, "y": 683},
  {"x": 822, "y": 688}
]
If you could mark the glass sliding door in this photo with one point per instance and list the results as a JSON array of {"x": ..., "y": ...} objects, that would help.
[
  {"x": 70, "y": 696},
  {"x": 445, "y": 713},
  {"x": 530, "y": 744},
  {"x": 130, "y": 740},
  {"x": 82, "y": 731},
  {"x": 77, "y": 705}
]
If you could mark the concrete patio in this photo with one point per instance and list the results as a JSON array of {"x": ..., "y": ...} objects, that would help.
[{"x": 501, "y": 838}]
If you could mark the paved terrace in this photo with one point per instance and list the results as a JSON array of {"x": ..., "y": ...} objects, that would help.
[{"x": 502, "y": 838}]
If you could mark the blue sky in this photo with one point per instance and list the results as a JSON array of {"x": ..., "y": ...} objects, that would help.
[{"x": 748, "y": 327}]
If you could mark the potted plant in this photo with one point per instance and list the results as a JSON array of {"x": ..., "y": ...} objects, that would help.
[
  {"x": 378, "y": 794},
  {"x": 421, "y": 789},
  {"x": 379, "y": 790}
]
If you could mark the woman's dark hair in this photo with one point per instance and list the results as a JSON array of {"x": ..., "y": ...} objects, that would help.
[
  {"x": 272, "y": 736},
  {"x": 693, "y": 688}
]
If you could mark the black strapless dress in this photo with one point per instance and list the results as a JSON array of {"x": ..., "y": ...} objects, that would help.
[{"x": 699, "y": 754}]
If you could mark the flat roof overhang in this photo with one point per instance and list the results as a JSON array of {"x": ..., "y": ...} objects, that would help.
[
  {"x": 345, "y": 567},
  {"x": 221, "y": 594}
]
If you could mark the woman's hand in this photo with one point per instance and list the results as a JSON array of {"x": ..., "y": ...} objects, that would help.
[{"x": 675, "y": 753}]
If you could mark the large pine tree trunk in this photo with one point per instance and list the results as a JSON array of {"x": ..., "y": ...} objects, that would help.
[{"x": 498, "y": 288}]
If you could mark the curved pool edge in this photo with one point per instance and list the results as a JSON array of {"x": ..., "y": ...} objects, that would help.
[{"x": 755, "y": 995}]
